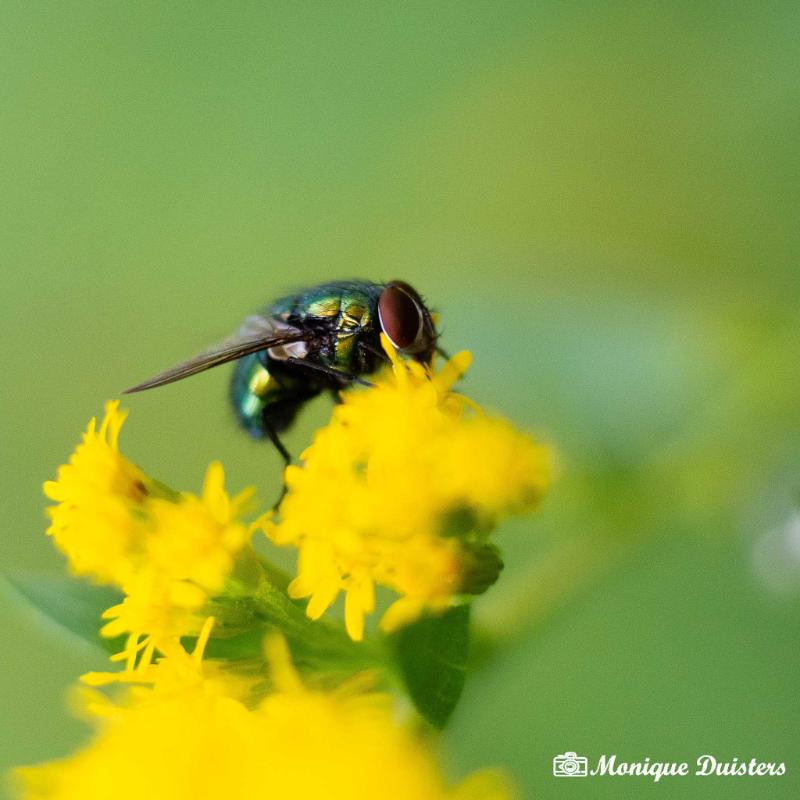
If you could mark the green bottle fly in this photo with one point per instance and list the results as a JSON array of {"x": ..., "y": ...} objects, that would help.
[{"x": 317, "y": 339}]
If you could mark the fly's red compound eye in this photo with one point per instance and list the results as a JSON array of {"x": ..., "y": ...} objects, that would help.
[{"x": 401, "y": 317}]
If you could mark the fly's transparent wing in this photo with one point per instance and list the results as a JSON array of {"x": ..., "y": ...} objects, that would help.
[{"x": 255, "y": 333}]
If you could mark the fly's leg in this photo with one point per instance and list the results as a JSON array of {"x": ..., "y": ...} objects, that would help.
[
  {"x": 281, "y": 406},
  {"x": 342, "y": 377},
  {"x": 272, "y": 435},
  {"x": 378, "y": 353}
]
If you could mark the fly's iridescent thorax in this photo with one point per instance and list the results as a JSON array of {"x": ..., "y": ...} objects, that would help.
[{"x": 340, "y": 315}]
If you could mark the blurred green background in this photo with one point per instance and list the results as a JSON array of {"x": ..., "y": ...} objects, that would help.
[{"x": 602, "y": 200}]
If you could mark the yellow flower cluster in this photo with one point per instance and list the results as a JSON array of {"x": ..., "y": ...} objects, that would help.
[
  {"x": 167, "y": 552},
  {"x": 95, "y": 522},
  {"x": 401, "y": 490},
  {"x": 189, "y": 735}
]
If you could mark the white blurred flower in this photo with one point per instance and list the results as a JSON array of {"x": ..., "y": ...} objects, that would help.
[{"x": 776, "y": 558}]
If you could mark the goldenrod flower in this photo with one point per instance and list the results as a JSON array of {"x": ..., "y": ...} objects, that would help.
[
  {"x": 401, "y": 489},
  {"x": 99, "y": 494},
  {"x": 187, "y": 553},
  {"x": 189, "y": 738},
  {"x": 168, "y": 552}
]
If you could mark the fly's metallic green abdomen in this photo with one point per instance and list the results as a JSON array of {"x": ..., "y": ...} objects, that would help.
[{"x": 255, "y": 391}]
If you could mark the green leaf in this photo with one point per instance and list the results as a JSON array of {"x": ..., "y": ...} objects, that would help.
[
  {"x": 432, "y": 656},
  {"x": 73, "y": 604},
  {"x": 246, "y": 645}
]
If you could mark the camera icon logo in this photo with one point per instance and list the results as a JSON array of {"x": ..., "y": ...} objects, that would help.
[{"x": 570, "y": 765}]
